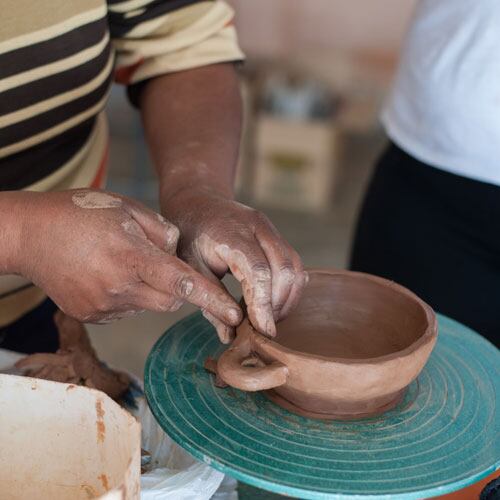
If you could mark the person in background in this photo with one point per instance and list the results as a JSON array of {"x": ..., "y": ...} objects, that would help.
[
  {"x": 100, "y": 256},
  {"x": 430, "y": 217}
]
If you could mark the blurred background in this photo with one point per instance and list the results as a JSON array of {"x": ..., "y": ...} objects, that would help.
[{"x": 315, "y": 78}]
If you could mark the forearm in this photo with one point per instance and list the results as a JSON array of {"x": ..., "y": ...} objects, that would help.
[
  {"x": 193, "y": 124},
  {"x": 192, "y": 121},
  {"x": 11, "y": 221}
]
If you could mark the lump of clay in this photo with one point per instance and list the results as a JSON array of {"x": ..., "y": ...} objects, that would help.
[{"x": 75, "y": 362}]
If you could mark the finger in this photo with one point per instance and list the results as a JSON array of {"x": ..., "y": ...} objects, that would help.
[
  {"x": 251, "y": 268},
  {"x": 283, "y": 268},
  {"x": 115, "y": 316},
  {"x": 224, "y": 332},
  {"x": 172, "y": 276},
  {"x": 142, "y": 296},
  {"x": 159, "y": 230},
  {"x": 295, "y": 294}
]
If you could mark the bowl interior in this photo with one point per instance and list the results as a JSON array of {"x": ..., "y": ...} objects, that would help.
[{"x": 351, "y": 316}]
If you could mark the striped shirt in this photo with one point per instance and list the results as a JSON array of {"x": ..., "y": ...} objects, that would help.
[{"x": 58, "y": 59}]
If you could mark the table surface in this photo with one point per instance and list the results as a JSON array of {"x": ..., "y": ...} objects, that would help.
[{"x": 444, "y": 436}]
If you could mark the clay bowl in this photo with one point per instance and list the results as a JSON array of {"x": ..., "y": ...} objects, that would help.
[{"x": 349, "y": 350}]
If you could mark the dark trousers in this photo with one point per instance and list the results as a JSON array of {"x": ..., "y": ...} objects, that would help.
[
  {"x": 34, "y": 332},
  {"x": 437, "y": 234}
]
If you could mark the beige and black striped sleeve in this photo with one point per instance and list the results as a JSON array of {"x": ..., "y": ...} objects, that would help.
[{"x": 155, "y": 37}]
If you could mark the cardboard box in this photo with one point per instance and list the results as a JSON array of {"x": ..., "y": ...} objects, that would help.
[{"x": 296, "y": 163}]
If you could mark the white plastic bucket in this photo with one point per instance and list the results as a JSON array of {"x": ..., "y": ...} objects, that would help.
[{"x": 60, "y": 442}]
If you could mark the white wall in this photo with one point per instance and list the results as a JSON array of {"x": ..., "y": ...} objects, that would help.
[{"x": 280, "y": 27}]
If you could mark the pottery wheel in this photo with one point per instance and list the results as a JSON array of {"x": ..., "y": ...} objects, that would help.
[{"x": 443, "y": 436}]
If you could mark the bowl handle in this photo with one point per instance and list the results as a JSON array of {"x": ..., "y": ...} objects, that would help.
[{"x": 242, "y": 369}]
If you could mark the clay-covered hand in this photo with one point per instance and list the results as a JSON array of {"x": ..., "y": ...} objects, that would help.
[
  {"x": 101, "y": 256},
  {"x": 220, "y": 235}
]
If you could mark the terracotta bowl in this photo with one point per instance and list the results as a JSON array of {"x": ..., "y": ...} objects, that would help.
[{"x": 349, "y": 350}]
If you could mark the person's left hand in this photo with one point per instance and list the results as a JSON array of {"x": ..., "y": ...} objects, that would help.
[{"x": 220, "y": 235}]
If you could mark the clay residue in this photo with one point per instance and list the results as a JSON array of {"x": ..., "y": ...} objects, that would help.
[
  {"x": 89, "y": 491},
  {"x": 256, "y": 283},
  {"x": 104, "y": 480},
  {"x": 211, "y": 366},
  {"x": 99, "y": 409},
  {"x": 75, "y": 362},
  {"x": 145, "y": 461},
  {"x": 95, "y": 199},
  {"x": 133, "y": 228},
  {"x": 101, "y": 427}
]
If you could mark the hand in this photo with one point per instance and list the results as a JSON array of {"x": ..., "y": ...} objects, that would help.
[
  {"x": 219, "y": 234},
  {"x": 102, "y": 256}
]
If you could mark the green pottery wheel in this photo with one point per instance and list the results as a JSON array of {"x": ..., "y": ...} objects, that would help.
[{"x": 443, "y": 436}]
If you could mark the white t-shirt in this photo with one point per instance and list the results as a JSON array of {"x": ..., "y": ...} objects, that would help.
[{"x": 444, "y": 108}]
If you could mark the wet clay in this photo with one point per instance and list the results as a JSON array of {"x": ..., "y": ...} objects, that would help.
[
  {"x": 75, "y": 362},
  {"x": 351, "y": 318},
  {"x": 210, "y": 365},
  {"x": 349, "y": 350},
  {"x": 93, "y": 199}
]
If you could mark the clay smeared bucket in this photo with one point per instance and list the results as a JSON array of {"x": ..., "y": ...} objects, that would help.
[
  {"x": 65, "y": 442},
  {"x": 349, "y": 350}
]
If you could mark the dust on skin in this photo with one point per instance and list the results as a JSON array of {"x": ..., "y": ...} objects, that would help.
[
  {"x": 119, "y": 315},
  {"x": 131, "y": 227},
  {"x": 200, "y": 166},
  {"x": 225, "y": 332},
  {"x": 258, "y": 296},
  {"x": 93, "y": 199},
  {"x": 75, "y": 362},
  {"x": 172, "y": 235}
]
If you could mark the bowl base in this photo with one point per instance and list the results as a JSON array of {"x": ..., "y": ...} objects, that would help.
[{"x": 288, "y": 405}]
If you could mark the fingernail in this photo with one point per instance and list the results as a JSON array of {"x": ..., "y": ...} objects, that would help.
[
  {"x": 176, "y": 305},
  {"x": 185, "y": 287},
  {"x": 271, "y": 328},
  {"x": 172, "y": 236},
  {"x": 306, "y": 277},
  {"x": 234, "y": 315}
]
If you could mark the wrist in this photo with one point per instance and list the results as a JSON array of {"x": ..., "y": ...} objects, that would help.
[
  {"x": 173, "y": 196},
  {"x": 198, "y": 170}
]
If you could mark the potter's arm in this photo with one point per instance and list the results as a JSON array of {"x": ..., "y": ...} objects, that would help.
[
  {"x": 193, "y": 122},
  {"x": 101, "y": 256}
]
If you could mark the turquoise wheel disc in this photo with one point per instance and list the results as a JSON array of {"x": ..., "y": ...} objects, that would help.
[{"x": 442, "y": 437}]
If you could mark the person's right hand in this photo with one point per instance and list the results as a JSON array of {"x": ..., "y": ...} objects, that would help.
[{"x": 101, "y": 256}]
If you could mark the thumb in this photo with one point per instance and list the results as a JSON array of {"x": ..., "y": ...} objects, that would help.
[
  {"x": 159, "y": 230},
  {"x": 224, "y": 331}
]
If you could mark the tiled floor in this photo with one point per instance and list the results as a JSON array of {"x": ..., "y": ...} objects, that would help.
[{"x": 321, "y": 240}]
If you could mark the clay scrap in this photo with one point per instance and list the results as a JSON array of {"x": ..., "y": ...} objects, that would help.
[
  {"x": 75, "y": 362},
  {"x": 210, "y": 365}
]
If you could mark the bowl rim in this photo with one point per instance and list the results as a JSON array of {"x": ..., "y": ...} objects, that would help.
[{"x": 429, "y": 335}]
